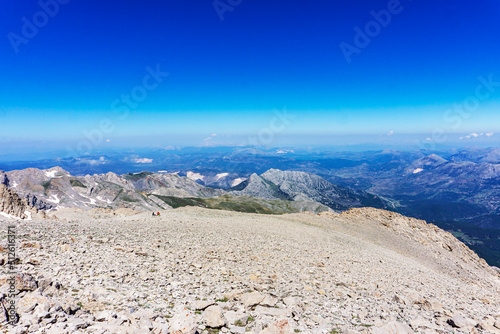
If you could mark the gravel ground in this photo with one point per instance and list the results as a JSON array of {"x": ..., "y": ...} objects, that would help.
[{"x": 197, "y": 270}]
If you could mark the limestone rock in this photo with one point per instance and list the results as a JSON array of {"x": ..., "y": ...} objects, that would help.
[
  {"x": 279, "y": 327},
  {"x": 272, "y": 311},
  {"x": 269, "y": 301},
  {"x": 11, "y": 203},
  {"x": 213, "y": 317},
  {"x": 202, "y": 304},
  {"x": 393, "y": 327},
  {"x": 25, "y": 282},
  {"x": 183, "y": 322},
  {"x": 236, "y": 318},
  {"x": 460, "y": 321},
  {"x": 252, "y": 298},
  {"x": 28, "y": 303}
]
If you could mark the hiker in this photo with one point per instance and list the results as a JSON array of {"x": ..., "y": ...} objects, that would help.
[
  {"x": 154, "y": 214},
  {"x": 158, "y": 214}
]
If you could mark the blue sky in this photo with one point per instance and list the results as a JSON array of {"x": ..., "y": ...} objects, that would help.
[{"x": 228, "y": 77}]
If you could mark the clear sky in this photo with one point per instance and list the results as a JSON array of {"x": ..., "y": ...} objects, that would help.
[{"x": 200, "y": 72}]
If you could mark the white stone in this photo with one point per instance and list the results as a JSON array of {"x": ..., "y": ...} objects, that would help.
[
  {"x": 251, "y": 299},
  {"x": 213, "y": 317}
]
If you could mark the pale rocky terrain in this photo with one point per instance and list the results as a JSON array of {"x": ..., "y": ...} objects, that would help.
[{"x": 198, "y": 270}]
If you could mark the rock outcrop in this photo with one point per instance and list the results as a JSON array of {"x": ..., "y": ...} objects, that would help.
[{"x": 11, "y": 204}]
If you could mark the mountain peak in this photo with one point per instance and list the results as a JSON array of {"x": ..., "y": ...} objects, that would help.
[
  {"x": 436, "y": 158},
  {"x": 303, "y": 186}
]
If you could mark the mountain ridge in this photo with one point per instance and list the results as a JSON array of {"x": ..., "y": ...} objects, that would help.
[{"x": 55, "y": 188}]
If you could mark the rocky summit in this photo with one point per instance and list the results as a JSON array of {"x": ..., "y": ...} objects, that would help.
[{"x": 195, "y": 270}]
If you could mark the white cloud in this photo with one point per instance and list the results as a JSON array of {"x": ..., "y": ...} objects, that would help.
[
  {"x": 143, "y": 161},
  {"x": 214, "y": 134},
  {"x": 390, "y": 133},
  {"x": 92, "y": 162},
  {"x": 476, "y": 135}
]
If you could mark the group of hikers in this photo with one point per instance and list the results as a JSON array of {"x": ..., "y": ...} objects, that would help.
[{"x": 156, "y": 214}]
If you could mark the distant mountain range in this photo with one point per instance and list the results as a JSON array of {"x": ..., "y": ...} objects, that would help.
[
  {"x": 272, "y": 192},
  {"x": 433, "y": 187},
  {"x": 458, "y": 190},
  {"x": 302, "y": 186}
]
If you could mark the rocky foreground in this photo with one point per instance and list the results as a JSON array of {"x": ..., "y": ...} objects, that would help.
[{"x": 207, "y": 271}]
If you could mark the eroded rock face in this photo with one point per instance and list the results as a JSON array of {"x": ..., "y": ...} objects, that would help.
[
  {"x": 37, "y": 203},
  {"x": 4, "y": 178},
  {"x": 11, "y": 203}
]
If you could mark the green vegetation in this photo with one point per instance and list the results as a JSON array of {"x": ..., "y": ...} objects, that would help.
[
  {"x": 126, "y": 198},
  {"x": 136, "y": 176},
  {"x": 465, "y": 238},
  {"x": 76, "y": 183},
  {"x": 484, "y": 241},
  {"x": 46, "y": 186},
  {"x": 223, "y": 300},
  {"x": 232, "y": 203},
  {"x": 117, "y": 195},
  {"x": 213, "y": 330},
  {"x": 177, "y": 202}
]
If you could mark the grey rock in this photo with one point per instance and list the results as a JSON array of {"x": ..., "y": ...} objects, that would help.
[
  {"x": 252, "y": 298},
  {"x": 236, "y": 317},
  {"x": 183, "y": 322},
  {"x": 460, "y": 321},
  {"x": 213, "y": 317},
  {"x": 237, "y": 330},
  {"x": 202, "y": 304},
  {"x": 393, "y": 327},
  {"x": 272, "y": 311}
]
